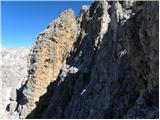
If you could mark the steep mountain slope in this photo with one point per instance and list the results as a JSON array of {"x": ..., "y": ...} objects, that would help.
[
  {"x": 14, "y": 70},
  {"x": 102, "y": 64}
]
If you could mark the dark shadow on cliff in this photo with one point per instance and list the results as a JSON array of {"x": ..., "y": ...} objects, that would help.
[
  {"x": 59, "y": 93},
  {"x": 43, "y": 102},
  {"x": 60, "y": 89},
  {"x": 54, "y": 90}
]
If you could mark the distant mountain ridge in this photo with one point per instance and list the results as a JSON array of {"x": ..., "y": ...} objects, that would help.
[{"x": 14, "y": 70}]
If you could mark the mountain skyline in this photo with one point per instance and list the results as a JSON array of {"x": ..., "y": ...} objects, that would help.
[{"x": 22, "y": 23}]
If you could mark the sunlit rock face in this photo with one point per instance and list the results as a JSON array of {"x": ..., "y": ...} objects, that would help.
[
  {"x": 102, "y": 64},
  {"x": 46, "y": 57}
]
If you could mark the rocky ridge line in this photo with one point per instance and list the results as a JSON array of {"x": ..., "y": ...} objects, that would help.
[{"x": 109, "y": 68}]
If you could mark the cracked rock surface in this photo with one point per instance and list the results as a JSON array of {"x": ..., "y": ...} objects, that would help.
[{"x": 102, "y": 64}]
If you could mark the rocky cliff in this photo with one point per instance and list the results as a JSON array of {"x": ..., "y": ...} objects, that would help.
[{"x": 102, "y": 64}]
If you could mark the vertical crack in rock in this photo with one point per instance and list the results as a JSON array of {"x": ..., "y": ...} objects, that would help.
[{"x": 105, "y": 19}]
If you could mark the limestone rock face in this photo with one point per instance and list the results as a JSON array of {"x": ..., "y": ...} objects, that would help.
[
  {"x": 103, "y": 64},
  {"x": 46, "y": 57},
  {"x": 12, "y": 107},
  {"x": 13, "y": 94}
]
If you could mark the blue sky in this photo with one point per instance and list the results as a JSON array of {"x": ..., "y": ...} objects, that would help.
[{"x": 22, "y": 21}]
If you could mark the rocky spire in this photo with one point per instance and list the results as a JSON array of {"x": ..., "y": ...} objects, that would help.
[{"x": 46, "y": 57}]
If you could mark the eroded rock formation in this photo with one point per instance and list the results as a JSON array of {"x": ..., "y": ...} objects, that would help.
[
  {"x": 102, "y": 64},
  {"x": 46, "y": 57}
]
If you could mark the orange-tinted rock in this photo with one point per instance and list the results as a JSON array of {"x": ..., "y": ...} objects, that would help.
[{"x": 46, "y": 57}]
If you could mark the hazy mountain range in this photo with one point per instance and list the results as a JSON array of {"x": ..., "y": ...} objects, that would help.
[{"x": 14, "y": 71}]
